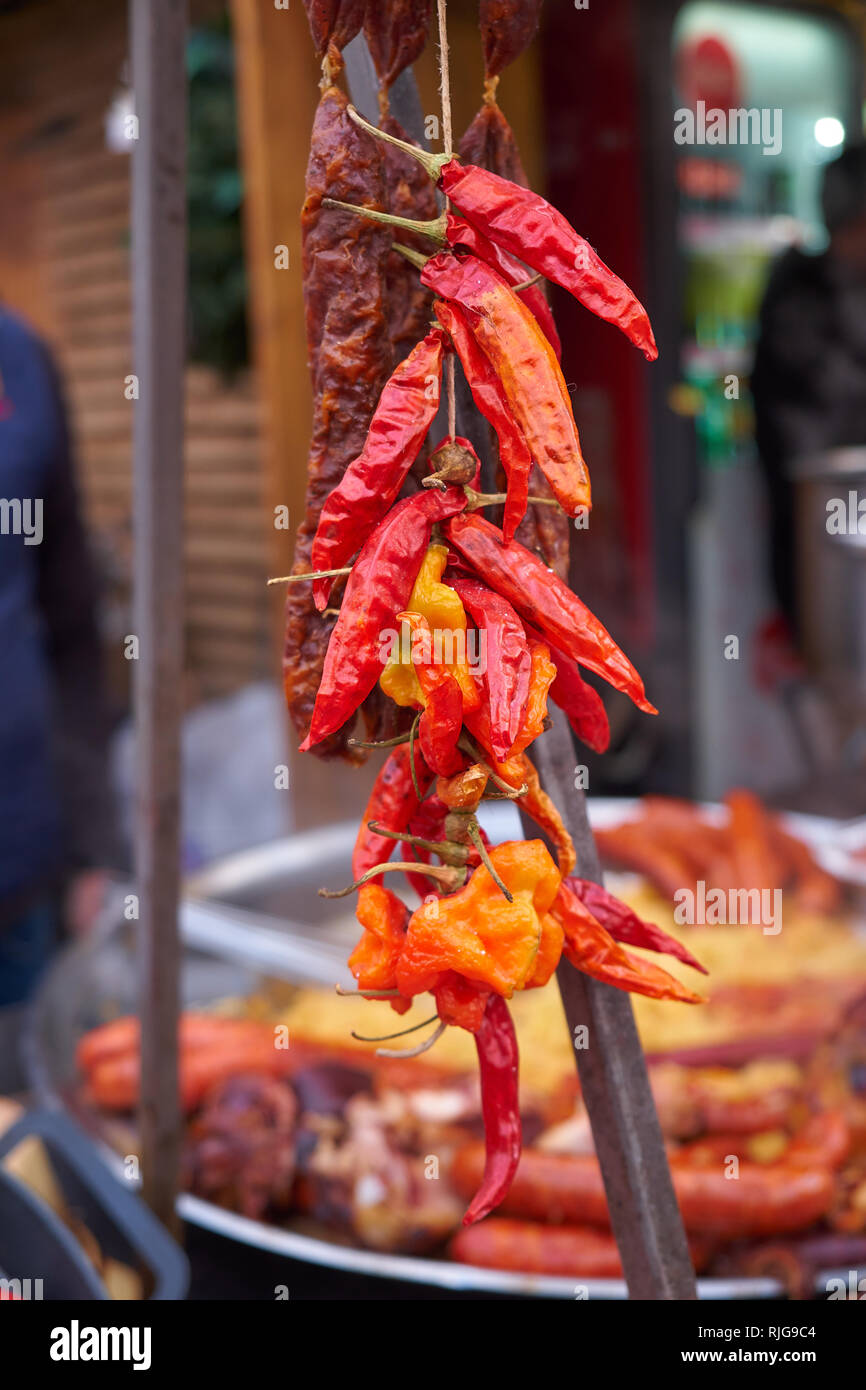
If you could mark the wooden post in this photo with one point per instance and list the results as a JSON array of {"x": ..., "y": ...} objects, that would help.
[
  {"x": 277, "y": 95},
  {"x": 158, "y": 256},
  {"x": 277, "y": 81}
]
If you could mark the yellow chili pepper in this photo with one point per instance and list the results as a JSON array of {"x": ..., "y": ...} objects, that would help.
[{"x": 446, "y": 617}]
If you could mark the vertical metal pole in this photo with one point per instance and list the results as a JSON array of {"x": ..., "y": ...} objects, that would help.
[
  {"x": 158, "y": 249},
  {"x": 613, "y": 1075}
]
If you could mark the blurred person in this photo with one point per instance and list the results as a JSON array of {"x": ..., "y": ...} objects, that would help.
[
  {"x": 56, "y": 831},
  {"x": 809, "y": 377}
]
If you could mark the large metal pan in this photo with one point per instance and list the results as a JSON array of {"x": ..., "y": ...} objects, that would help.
[{"x": 253, "y": 917}]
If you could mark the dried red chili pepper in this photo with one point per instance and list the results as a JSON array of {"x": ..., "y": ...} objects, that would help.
[
  {"x": 334, "y": 21},
  {"x": 489, "y": 142},
  {"x": 542, "y": 673},
  {"x": 372, "y": 481},
  {"x": 546, "y": 529},
  {"x": 460, "y": 1002},
  {"x": 393, "y": 803},
  {"x": 579, "y": 701},
  {"x": 507, "y": 662},
  {"x": 378, "y": 588},
  {"x": 459, "y": 232},
  {"x": 498, "y": 1061},
  {"x": 344, "y": 268},
  {"x": 429, "y": 820},
  {"x": 530, "y": 228},
  {"x": 624, "y": 924},
  {"x": 442, "y": 720},
  {"x": 396, "y": 34},
  {"x": 526, "y": 366},
  {"x": 592, "y": 949},
  {"x": 489, "y": 396},
  {"x": 532, "y": 722},
  {"x": 507, "y": 28},
  {"x": 542, "y": 528},
  {"x": 543, "y": 599}
]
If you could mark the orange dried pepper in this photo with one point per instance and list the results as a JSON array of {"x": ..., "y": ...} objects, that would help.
[
  {"x": 539, "y": 806},
  {"x": 592, "y": 949},
  {"x": 477, "y": 931},
  {"x": 374, "y": 960},
  {"x": 464, "y": 791}
]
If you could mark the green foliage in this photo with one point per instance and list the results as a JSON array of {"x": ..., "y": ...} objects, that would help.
[{"x": 217, "y": 274}]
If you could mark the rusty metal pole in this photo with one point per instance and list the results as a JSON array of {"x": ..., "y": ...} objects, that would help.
[
  {"x": 158, "y": 255},
  {"x": 613, "y": 1074}
]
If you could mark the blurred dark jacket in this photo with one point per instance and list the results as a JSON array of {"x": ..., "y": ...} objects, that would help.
[
  {"x": 808, "y": 383},
  {"x": 54, "y": 804}
]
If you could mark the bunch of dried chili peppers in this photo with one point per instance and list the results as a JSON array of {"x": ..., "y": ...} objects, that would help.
[{"x": 422, "y": 586}]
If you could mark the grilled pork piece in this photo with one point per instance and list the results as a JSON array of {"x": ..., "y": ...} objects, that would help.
[{"x": 240, "y": 1149}]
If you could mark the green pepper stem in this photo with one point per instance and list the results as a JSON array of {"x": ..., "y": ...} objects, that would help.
[
  {"x": 412, "y": 1051},
  {"x": 475, "y": 837},
  {"x": 415, "y": 257},
  {"x": 448, "y": 851},
  {"x": 441, "y": 872},
  {"x": 401, "y": 1033},
  {"x": 494, "y": 499},
  {"x": 457, "y": 823},
  {"x": 312, "y": 574},
  {"x": 367, "y": 993},
  {"x": 525, "y": 284},
  {"x": 433, "y": 163},
  {"x": 434, "y": 229},
  {"x": 413, "y": 732},
  {"x": 379, "y": 743}
]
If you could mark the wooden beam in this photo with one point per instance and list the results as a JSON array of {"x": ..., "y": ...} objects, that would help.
[
  {"x": 158, "y": 259},
  {"x": 277, "y": 77}
]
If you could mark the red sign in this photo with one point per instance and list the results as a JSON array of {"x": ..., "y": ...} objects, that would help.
[{"x": 708, "y": 71}]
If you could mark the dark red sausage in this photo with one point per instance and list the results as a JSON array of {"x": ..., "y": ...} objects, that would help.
[{"x": 763, "y": 1200}]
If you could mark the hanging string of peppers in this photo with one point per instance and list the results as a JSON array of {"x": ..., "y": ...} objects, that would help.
[{"x": 421, "y": 560}]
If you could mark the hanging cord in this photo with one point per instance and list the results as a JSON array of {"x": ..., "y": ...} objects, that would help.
[{"x": 447, "y": 141}]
